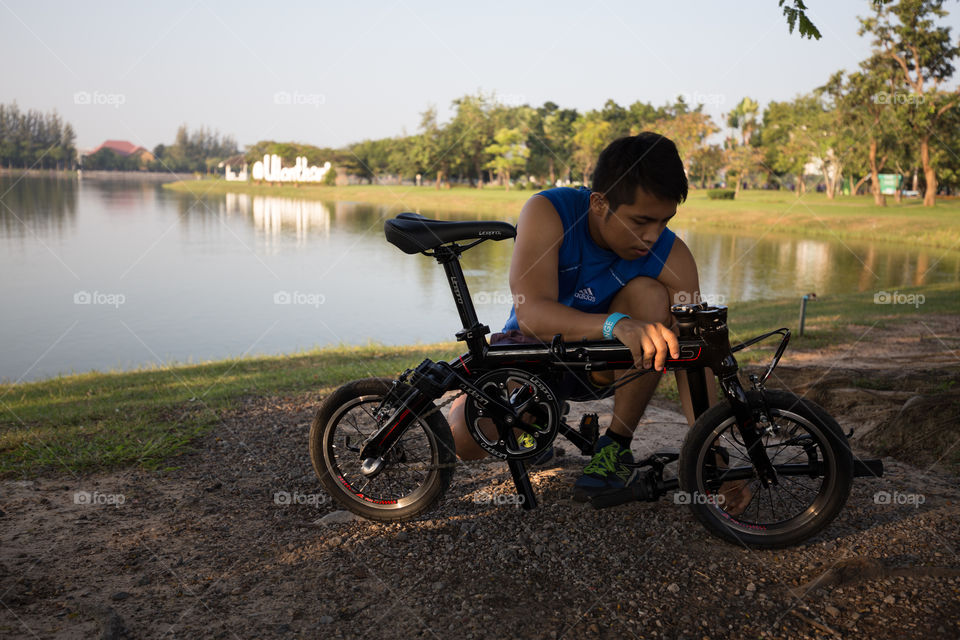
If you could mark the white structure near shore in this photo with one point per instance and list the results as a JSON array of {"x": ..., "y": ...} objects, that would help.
[{"x": 271, "y": 169}]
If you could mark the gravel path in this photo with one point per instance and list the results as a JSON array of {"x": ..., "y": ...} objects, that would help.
[{"x": 204, "y": 551}]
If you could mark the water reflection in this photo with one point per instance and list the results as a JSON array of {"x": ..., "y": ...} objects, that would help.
[
  {"x": 745, "y": 268},
  {"x": 46, "y": 207},
  {"x": 272, "y": 216}
]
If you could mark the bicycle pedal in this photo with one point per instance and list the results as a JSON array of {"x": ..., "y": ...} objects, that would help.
[
  {"x": 590, "y": 430},
  {"x": 669, "y": 455},
  {"x": 658, "y": 459}
]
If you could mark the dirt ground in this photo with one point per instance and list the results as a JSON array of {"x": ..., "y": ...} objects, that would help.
[{"x": 205, "y": 551}]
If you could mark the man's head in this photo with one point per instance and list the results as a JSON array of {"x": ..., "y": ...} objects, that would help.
[{"x": 637, "y": 185}]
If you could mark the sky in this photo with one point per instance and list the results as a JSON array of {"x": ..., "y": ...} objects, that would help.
[{"x": 331, "y": 73}]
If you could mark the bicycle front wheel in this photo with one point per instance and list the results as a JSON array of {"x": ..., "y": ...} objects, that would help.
[
  {"x": 415, "y": 474},
  {"x": 813, "y": 463}
]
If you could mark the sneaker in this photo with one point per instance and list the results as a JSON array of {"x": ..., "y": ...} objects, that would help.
[
  {"x": 526, "y": 441},
  {"x": 607, "y": 470}
]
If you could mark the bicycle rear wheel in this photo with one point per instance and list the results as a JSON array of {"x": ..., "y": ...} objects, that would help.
[
  {"x": 806, "y": 447},
  {"x": 416, "y": 471}
]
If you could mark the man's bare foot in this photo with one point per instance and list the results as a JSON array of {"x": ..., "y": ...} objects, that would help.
[
  {"x": 736, "y": 496},
  {"x": 736, "y": 493}
]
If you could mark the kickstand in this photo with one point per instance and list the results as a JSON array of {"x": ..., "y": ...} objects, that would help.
[{"x": 522, "y": 482}]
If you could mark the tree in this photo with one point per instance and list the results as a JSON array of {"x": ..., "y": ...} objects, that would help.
[
  {"x": 591, "y": 133},
  {"x": 558, "y": 141},
  {"x": 923, "y": 52},
  {"x": 871, "y": 116},
  {"x": 782, "y": 151},
  {"x": 431, "y": 148},
  {"x": 33, "y": 139},
  {"x": 509, "y": 154},
  {"x": 796, "y": 14},
  {"x": 741, "y": 156},
  {"x": 706, "y": 162},
  {"x": 688, "y": 130},
  {"x": 471, "y": 131}
]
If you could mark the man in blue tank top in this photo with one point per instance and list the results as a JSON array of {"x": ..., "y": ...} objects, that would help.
[{"x": 601, "y": 263}]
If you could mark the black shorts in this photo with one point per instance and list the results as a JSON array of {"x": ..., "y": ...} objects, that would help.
[{"x": 573, "y": 385}]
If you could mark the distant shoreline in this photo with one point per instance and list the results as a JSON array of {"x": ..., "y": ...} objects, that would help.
[
  {"x": 756, "y": 211},
  {"x": 73, "y": 174}
]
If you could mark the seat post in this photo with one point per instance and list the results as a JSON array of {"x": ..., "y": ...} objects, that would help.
[{"x": 473, "y": 332}]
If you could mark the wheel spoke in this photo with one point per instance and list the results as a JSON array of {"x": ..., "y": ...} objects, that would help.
[
  {"x": 783, "y": 506},
  {"x": 398, "y": 479}
]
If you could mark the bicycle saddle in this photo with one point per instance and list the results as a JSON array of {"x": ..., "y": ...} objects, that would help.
[{"x": 412, "y": 233}]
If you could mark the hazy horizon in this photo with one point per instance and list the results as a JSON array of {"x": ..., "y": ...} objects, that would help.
[{"x": 333, "y": 75}]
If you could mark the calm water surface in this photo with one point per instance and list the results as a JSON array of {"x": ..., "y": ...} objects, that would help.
[{"x": 107, "y": 275}]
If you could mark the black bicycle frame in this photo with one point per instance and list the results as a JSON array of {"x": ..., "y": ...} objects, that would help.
[{"x": 703, "y": 338}]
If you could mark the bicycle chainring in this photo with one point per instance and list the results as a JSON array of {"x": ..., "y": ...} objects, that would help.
[{"x": 539, "y": 410}]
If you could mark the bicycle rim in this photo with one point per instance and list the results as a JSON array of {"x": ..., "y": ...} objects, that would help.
[
  {"x": 795, "y": 501},
  {"x": 402, "y": 480}
]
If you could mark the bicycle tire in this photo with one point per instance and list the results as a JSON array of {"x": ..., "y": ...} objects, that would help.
[
  {"x": 434, "y": 427},
  {"x": 785, "y": 407}
]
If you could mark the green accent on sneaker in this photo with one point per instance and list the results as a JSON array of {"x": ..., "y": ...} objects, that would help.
[
  {"x": 607, "y": 461},
  {"x": 526, "y": 440}
]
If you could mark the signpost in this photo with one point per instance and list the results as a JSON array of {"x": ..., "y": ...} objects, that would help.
[{"x": 889, "y": 183}]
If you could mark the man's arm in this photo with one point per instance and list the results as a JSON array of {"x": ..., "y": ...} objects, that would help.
[
  {"x": 534, "y": 282},
  {"x": 679, "y": 274}
]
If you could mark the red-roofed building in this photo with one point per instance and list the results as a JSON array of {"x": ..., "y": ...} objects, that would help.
[
  {"x": 126, "y": 149},
  {"x": 122, "y": 147}
]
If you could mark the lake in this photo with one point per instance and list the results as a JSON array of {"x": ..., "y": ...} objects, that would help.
[{"x": 103, "y": 275}]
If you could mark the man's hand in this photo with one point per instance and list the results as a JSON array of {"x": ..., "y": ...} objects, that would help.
[{"x": 651, "y": 343}]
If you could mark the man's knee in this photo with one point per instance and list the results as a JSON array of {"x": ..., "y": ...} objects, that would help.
[{"x": 644, "y": 298}]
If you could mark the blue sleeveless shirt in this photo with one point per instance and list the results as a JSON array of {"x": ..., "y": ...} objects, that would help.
[{"x": 589, "y": 277}]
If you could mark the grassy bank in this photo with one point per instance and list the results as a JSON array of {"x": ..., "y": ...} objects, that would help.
[
  {"x": 812, "y": 215},
  {"x": 101, "y": 421}
]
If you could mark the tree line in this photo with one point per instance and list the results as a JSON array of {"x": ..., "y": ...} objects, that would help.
[
  {"x": 33, "y": 139},
  {"x": 891, "y": 115}
]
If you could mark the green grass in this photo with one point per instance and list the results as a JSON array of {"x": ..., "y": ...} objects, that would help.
[
  {"x": 96, "y": 421},
  {"x": 780, "y": 212},
  {"x": 829, "y": 317},
  {"x": 102, "y": 421}
]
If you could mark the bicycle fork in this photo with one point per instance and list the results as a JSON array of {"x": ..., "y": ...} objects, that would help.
[
  {"x": 427, "y": 383},
  {"x": 748, "y": 428}
]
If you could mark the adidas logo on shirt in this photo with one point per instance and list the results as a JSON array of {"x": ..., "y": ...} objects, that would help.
[{"x": 585, "y": 294}]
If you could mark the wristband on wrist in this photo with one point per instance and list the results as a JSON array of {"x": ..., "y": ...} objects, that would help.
[{"x": 611, "y": 322}]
